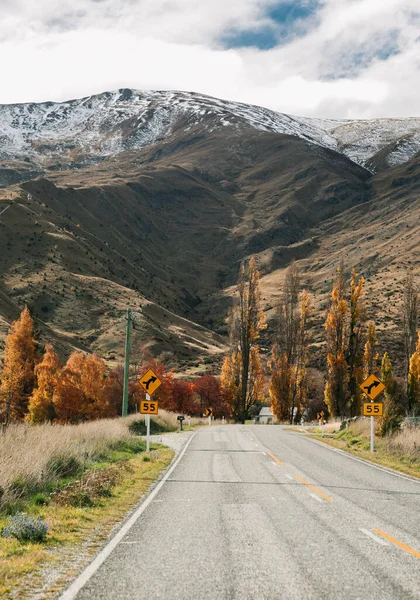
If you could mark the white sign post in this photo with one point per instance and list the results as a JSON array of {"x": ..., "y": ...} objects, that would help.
[
  {"x": 148, "y": 427},
  {"x": 372, "y": 434}
]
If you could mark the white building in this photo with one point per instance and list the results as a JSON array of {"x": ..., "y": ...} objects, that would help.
[{"x": 265, "y": 416}]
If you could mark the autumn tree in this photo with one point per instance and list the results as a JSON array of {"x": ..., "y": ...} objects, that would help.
[
  {"x": 17, "y": 376},
  {"x": 290, "y": 352},
  {"x": 182, "y": 398},
  {"x": 335, "y": 394},
  {"x": 231, "y": 382},
  {"x": 246, "y": 322},
  {"x": 81, "y": 391},
  {"x": 354, "y": 356},
  {"x": 414, "y": 380},
  {"x": 209, "y": 391},
  {"x": 370, "y": 354},
  {"x": 392, "y": 410},
  {"x": 410, "y": 321},
  {"x": 344, "y": 327},
  {"x": 68, "y": 399},
  {"x": 41, "y": 406}
]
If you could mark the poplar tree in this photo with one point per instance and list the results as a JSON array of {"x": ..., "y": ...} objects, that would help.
[
  {"x": 410, "y": 320},
  {"x": 414, "y": 380},
  {"x": 392, "y": 412},
  {"x": 354, "y": 356},
  {"x": 290, "y": 353},
  {"x": 370, "y": 355},
  {"x": 335, "y": 393},
  {"x": 17, "y": 377},
  {"x": 240, "y": 371}
]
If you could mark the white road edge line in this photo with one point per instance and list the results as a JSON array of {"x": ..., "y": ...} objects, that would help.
[
  {"x": 316, "y": 497},
  {"x": 374, "y": 537},
  {"x": 91, "y": 569},
  {"x": 290, "y": 477},
  {"x": 365, "y": 462}
]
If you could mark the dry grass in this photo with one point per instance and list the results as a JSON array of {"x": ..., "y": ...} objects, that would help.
[
  {"x": 399, "y": 451},
  {"x": 406, "y": 443},
  {"x": 31, "y": 456}
]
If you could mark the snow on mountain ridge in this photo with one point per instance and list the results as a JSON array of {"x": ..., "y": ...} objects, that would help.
[{"x": 108, "y": 123}]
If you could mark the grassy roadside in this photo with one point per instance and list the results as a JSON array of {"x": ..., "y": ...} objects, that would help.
[
  {"x": 400, "y": 451},
  {"x": 82, "y": 492},
  {"x": 75, "y": 532}
]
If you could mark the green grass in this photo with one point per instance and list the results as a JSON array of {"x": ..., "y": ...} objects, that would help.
[{"x": 22, "y": 565}]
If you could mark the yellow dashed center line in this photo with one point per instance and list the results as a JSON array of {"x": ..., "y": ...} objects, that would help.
[
  {"x": 313, "y": 488},
  {"x": 275, "y": 458},
  {"x": 397, "y": 543}
]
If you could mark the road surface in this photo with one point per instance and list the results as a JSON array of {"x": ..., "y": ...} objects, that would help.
[{"x": 259, "y": 512}]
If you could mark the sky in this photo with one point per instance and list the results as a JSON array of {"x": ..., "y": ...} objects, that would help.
[{"x": 316, "y": 58}]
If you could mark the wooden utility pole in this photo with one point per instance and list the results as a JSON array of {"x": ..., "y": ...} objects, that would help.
[{"x": 124, "y": 411}]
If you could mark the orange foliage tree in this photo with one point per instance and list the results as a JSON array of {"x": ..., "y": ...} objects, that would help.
[
  {"x": 290, "y": 353},
  {"x": 370, "y": 355},
  {"x": 344, "y": 332},
  {"x": 41, "y": 406},
  {"x": 337, "y": 376},
  {"x": 246, "y": 322},
  {"x": 81, "y": 393},
  {"x": 17, "y": 377},
  {"x": 414, "y": 380}
]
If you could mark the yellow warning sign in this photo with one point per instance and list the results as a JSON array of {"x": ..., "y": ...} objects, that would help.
[
  {"x": 150, "y": 382},
  {"x": 372, "y": 387}
]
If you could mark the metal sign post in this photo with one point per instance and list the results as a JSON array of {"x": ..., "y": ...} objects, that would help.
[
  {"x": 148, "y": 427},
  {"x": 150, "y": 383},
  {"x": 372, "y": 387},
  {"x": 372, "y": 434}
]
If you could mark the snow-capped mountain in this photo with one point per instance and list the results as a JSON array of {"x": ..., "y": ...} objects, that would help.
[{"x": 102, "y": 125}]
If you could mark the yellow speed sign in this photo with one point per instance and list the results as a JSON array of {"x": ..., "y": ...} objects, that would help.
[
  {"x": 372, "y": 409},
  {"x": 149, "y": 407}
]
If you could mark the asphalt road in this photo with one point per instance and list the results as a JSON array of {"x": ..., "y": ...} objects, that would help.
[{"x": 259, "y": 512}]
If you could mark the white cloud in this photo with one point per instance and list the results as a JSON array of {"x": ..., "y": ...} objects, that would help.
[{"x": 88, "y": 46}]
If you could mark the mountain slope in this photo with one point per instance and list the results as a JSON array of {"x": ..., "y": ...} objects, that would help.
[{"x": 150, "y": 201}]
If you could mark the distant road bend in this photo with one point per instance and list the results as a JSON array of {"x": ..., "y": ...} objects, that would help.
[{"x": 259, "y": 512}]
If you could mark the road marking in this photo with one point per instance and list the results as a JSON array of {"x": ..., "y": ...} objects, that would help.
[
  {"x": 313, "y": 488},
  {"x": 289, "y": 477},
  {"x": 365, "y": 462},
  {"x": 91, "y": 569},
  {"x": 316, "y": 497},
  {"x": 275, "y": 458},
  {"x": 373, "y": 537},
  {"x": 397, "y": 543}
]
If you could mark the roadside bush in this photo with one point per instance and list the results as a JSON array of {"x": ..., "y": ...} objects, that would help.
[
  {"x": 25, "y": 529},
  {"x": 138, "y": 427},
  {"x": 63, "y": 466},
  {"x": 91, "y": 487}
]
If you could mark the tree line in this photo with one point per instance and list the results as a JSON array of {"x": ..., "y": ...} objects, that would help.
[
  {"x": 38, "y": 388},
  {"x": 350, "y": 347}
]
